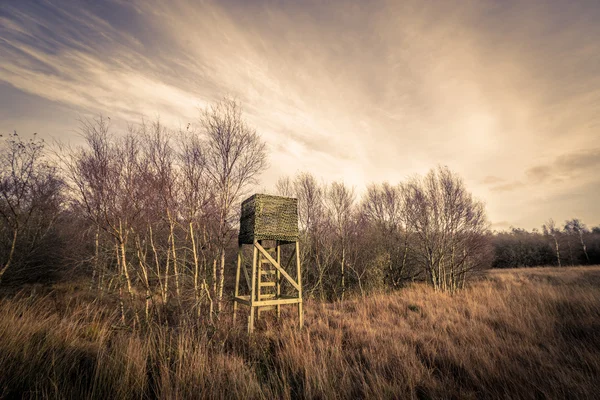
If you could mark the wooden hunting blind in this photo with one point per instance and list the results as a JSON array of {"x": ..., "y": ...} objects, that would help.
[{"x": 268, "y": 223}]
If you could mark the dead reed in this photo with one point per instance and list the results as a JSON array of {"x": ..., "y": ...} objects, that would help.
[{"x": 530, "y": 333}]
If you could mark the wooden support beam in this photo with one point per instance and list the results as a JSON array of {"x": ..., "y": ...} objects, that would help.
[
  {"x": 299, "y": 277},
  {"x": 253, "y": 294},
  {"x": 275, "y": 302},
  {"x": 242, "y": 300},
  {"x": 278, "y": 277},
  {"x": 237, "y": 277}
]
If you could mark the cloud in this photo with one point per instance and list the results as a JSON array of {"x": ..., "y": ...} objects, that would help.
[
  {"x": 583, "y": 161},
  {"x": 575, "y": 166},
  {"x": 539, "y": 174},
  {"x": 505, "y": 93}
]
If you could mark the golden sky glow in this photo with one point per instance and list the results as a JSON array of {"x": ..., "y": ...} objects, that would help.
[{"x": 506, "y": 93}]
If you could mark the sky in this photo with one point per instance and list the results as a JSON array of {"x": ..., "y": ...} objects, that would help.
[{"x": 505, "y": 93}]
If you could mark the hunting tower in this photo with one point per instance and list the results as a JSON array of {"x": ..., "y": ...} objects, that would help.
[{"x": 270, "y": 225}]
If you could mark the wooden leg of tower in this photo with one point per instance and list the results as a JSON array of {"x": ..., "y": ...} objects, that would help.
[
  {"x": 278, "y": 280},
  {"x": 237, "y": 282},
  {"x": 253, "y": 293},
  {"x": 251, "y": 320},
  {"x": 259, "y": 283},
  {"x": 299, "y": 281}
]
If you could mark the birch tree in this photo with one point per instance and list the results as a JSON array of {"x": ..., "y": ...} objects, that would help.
[
  {"x": 450, "y": 226},
  {"x": 235, "y": 156},
  {"x": 577, "y": 228},
  {"x": 550, "y": 230},
  {"x": 196, "y": 199}
]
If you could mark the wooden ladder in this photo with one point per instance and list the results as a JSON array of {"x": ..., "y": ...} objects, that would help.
[{"x": 268, "y": 281}]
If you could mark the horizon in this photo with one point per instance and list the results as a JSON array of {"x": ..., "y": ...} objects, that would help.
[{"x": 506, "y": 95}]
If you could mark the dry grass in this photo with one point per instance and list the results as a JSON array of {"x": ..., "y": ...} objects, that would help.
[{"x": 530, "y": 333}]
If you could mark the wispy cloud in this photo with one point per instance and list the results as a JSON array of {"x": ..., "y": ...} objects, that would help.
[
  {"x": 575, "y": 168},
  {"x": 503, "y": 92}
]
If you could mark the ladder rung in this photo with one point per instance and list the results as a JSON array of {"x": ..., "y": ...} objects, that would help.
[
  {"x": 267, "y": 308},
  {"x": 267, "y": 284},
  {"x": 269, "y": 271},
  {"x": 267, "y": 296}
]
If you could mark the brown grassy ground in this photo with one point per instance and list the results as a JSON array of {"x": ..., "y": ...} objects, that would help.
[{"x": 531, "y": 333}]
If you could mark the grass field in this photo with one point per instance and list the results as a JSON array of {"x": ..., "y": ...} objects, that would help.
[{"x": 523, "y": 333}]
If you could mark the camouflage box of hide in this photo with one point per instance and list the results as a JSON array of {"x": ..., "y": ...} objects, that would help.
[{"x": 266, "y": 217}]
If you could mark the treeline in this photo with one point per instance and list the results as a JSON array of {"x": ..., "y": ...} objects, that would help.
[
  {"x": 571, "y": 244},
  {"x": 426, "y": 228},
  {"x": 149, "y": 218}
]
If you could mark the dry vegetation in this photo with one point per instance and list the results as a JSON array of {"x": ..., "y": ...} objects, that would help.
[{"x": 513, "y": 334}]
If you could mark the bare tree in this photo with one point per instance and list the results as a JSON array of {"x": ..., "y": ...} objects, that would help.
[
  {"x": 285, "y": 187},
  {"x": 310, "y": 201},
  {"x": 450, "y": 225},
  {"x": 197, "y": 197},
  {"x": 340, "y": 206},
  {"x": 384, "y": 207},
  {"x": 161, "y": 176},
  {"x": 235, "y": 155},
  {"x": 107, "y": 187},
  {"x": 30, "y": 197}
]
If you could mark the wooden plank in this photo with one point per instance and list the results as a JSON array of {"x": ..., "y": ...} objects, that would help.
[
  {"x": 237, "y": 273},
  {"x": 267, "y": 284},
  {"x": 276, "y": 265},
  {"x": 267, "y": 296},
  {"x": 241, "y": 300},
  {"x": 268, "y": 272},
  {"x": 252, "y": 290},
  {"x": 278, "y": 277},
  {"x": 259, "y": 281},
  {"x": 259, "y": 276},
  {"x": 274, "y": 302}
]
